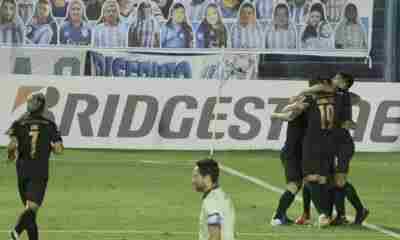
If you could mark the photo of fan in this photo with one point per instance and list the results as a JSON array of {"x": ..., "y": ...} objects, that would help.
[
  {"x": 11, "y": 26},
  {"x": 177, "y": 31},
  {"x": 212, "y": 32},
  {"x": 350, "y": 33},
  {"x": 109, "y": 30},
  {"x": 42, "y": 28},
  {"x": 145, "y": 32},
  {"x": 247, "y": 32},
  {"x": 281, "y": 34},
  {"x": 75, "y": 30},
  {"x": 318, "y": 33}
]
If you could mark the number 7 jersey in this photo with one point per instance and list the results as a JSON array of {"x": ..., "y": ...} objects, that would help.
[{"x": 34, "y": 135}]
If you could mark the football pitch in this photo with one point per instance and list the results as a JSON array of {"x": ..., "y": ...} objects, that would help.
[{"x": 147, "y": 195}]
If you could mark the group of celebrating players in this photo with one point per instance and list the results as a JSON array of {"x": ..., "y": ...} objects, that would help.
[
  {"x": 317, "y": 152},
  {"x": 316, "y": 156}
]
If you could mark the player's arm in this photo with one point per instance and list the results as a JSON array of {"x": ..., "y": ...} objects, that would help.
[
  {"x": 12, "y": 149},
  {"x": 57, "y": 148},
  {"x": 285, "y": 116},
  {"x": 349, "y": 125},
  {"x": 56, "y": 141},
  {"x": 13, "y": 144},
  {"x": 355, "y": 99},
  {"x": 313, "y": 90},
  {"x": 214, "y": 226},
  {"x": 214, "y": 232}
]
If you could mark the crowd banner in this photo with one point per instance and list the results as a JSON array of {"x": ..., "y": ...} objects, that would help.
[
  {"x": 337, "y": 28},
  {"x": 125, "y": 63},
  {"x": 179, "y": 114}
]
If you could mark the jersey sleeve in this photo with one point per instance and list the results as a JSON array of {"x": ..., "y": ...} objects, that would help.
[
  {"x": 214, "y": 213},
  {"x": 12, "y": 131},
  {"x": 55, "y": 135},
  {"x": 347, "y": 108}
]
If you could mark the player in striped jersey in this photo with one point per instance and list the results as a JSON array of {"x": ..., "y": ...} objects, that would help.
[
  {"x": 146, "y": 31},
  {"x": 109, "y": 31},
  {"x": 11, "y": 27},
  {"x": 217, "y": 216},
  {"x": 247, "y": 33},
  {"x": 350, "y": 33},
  {"x": 282, "y": 33}
]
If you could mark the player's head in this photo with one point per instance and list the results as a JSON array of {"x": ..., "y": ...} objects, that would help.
[
  {"x": 36, "y": 103},
  {"x": 343, "y": 80},
  {"x": 205, "y": 175},
  {"x": 320, "y": 79}
]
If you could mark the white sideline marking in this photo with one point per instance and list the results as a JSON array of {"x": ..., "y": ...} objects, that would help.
[
  {"x": 155, "y": 232},
  {"x": 268, "y": 186}
]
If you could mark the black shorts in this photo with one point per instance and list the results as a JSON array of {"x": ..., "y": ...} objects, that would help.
[
  {"x": 344, "y": 154},
  {"x": 318, "y": 155},
  {"x": 32, "y": 190},
  {"x": 292, "y": 165}
]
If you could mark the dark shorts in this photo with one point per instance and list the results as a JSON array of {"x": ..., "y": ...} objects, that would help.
[
  {"x": 292, "y": 165},
  {"x": 344, "y": 154},
  {"x": 32, "y": 190},
  {"x": 318, "y": 155}
]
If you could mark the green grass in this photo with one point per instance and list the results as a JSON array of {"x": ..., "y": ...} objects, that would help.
[{"x": 116, "y": 196}]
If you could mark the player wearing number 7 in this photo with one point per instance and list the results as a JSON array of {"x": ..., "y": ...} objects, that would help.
[{"x": 32, "y": 139}]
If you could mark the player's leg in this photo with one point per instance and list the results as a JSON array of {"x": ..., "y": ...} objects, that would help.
[
  {"x": 286, "y": 200},
  {"x": 33, "y": 192},
  {"x": 326, "y": 162},
  {"x": 293, "y": 174},
  {"x": 354, "y": 199},
  {"x": 311, "y": 170},
  {"x": 305, "y": 218}
]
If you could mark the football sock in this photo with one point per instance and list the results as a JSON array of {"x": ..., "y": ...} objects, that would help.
[
  {"x": 24, "y": 220},
  {"x": 352, "y": 196},
  {"x": 285, "y": 201},
  {"x": 324, "y": 199},
  {"x": 331, "y": 200},
  {"x": 32, "y": 230},
  {"x": 316, "y": 195},
  {"x": 307, "y": 199},
  {"x": 339, "y": 201}
]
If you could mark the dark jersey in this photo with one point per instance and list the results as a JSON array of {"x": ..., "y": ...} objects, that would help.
[
  {"x": 320, "y": 115},
  {"x": 34, "y": 135},
  {"x": 294, "y": 134},
  {"x": 343, "y": 109}
]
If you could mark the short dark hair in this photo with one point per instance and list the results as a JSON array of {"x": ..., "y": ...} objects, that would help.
[
  {"x": 348, "y": 78},
  {"x": 319, "y": 79},
  {"x": 209, "y": 166}
]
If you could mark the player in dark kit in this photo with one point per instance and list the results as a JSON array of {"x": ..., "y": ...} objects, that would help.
[
  {"x": 344, "y": 99},
  {"x": 318, "y": 147},
  {"x": 291, "y": 155},
  {"x": 32, "y": 139},
  {"x": 342, "y": 82}
]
